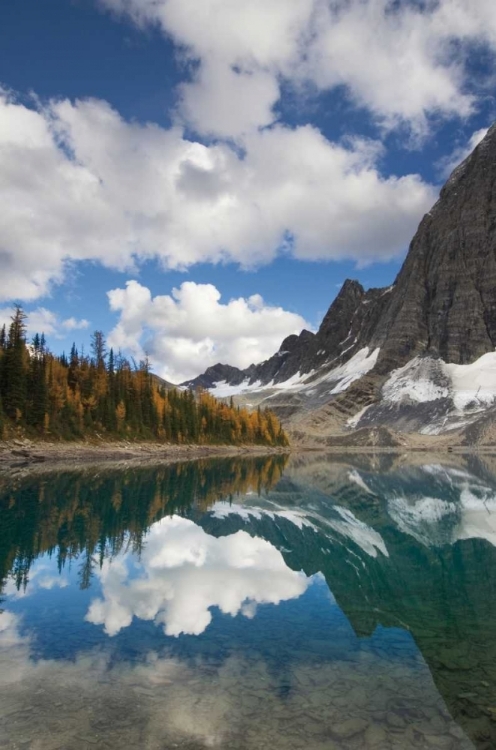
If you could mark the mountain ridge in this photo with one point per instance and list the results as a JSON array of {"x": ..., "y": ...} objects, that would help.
[{"x": 441, "y": 307}]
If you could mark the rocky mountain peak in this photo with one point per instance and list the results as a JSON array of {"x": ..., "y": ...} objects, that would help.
[
  {"x": 444, "y": 301},
  {"x": 291, "y": 343}
]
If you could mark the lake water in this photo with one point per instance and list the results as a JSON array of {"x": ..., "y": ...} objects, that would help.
[{"x": 317, "y": 603}]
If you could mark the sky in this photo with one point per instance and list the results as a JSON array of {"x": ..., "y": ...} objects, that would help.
[{"x": 197, "y": 178}]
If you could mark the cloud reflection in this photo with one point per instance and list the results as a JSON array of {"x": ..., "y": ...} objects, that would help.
[{"x": 184, "y": 572}]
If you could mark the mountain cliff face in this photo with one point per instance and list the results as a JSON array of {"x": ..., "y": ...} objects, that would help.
[
  {"x": 399, "y": 356},
  {"x": 444, "y": 302}
]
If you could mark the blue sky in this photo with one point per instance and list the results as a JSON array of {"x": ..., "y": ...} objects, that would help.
[{"x": 261, "y": 153}]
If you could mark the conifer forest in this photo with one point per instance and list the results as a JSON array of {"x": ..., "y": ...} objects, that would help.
[{"x": 103, "y": 393}]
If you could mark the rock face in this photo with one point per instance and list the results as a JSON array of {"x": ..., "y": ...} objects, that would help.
[
  {"x": 444, "y": 300},
  {"x": 441, "y": 306}
]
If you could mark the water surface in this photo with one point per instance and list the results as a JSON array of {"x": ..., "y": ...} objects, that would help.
[{"x": 317, "y": 603}]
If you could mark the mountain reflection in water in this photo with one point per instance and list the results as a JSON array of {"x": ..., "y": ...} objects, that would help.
[{"x": 190, "y": 605}]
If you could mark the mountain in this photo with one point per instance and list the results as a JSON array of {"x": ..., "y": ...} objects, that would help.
[{"x": 416, "y": 357}]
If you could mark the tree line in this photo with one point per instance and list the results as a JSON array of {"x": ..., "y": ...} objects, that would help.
[{"x": 69, "y": 397}]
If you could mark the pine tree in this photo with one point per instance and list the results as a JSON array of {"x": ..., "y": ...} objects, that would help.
[
  {"x": 14, "y": 367},
  {"x": 37, "y": 400},
  {"x": 72, "y": 375},
  {"x": 110, "y": 415}
]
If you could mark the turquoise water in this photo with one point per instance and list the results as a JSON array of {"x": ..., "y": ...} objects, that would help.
[{"x": 259, "y": 603}]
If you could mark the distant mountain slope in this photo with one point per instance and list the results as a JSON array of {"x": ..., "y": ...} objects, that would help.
[
  {"x": 417, "y": 356},
  {"x": 159, "y": 382}
]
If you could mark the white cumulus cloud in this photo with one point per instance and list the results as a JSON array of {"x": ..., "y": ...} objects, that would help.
[
  {"x": 404, "y": 61},
  {"x": 241, "y": 48},
  {"x": 78, "y": 182},
  {"x": 191, "y": 329}
]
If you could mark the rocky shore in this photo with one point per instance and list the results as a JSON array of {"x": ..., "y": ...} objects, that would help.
[{"x": 24, "y": 453}]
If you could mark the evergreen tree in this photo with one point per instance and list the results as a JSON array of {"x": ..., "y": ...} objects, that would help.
[
  {"x": 37, "y": 400},
  {"x": 14, "y": 367},
  {"x": 72, "y": 375}
]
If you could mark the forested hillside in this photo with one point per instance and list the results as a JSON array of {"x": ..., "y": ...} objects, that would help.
[{"x": 103, "y": 392}]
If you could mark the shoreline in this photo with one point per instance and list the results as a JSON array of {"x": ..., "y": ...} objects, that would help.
[
  {"x": 29, "y": 454},
  {"x": 25, "y": 454}
]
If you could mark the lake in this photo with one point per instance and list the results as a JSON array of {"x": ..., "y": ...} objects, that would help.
[{"x": 317, "y": 602}]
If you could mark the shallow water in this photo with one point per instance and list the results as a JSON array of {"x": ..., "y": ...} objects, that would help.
[{"x": 321, "y": 603}]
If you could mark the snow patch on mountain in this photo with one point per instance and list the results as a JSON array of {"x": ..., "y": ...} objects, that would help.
[
  {"x": 358, "y": 366},
  {"x": 420, "y": 380},
  {"x": 353, "y": 421},
  {"x": 475, "y": 383},
  {"x": 340, "y": 378},
  {"x": 459, "y": 394},
  {"x": 223, "y": 389},
  {"x": 426, "y": 379},
  {"x": 296, "y": 382}
]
